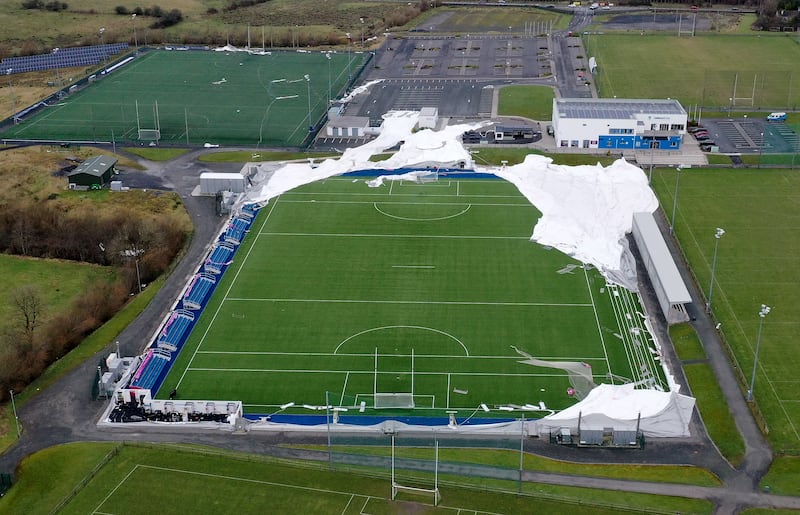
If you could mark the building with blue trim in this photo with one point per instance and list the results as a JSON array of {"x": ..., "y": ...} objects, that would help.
[{"x": 618, "y": 124}]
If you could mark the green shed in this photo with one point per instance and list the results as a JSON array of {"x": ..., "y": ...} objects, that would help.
[{"x": 93, "y": 173}]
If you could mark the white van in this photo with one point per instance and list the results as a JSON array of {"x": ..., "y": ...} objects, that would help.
[{"x": 777, "y": 117}]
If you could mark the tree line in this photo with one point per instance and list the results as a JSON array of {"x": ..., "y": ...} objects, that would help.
[{"x": 35, "y": 335}]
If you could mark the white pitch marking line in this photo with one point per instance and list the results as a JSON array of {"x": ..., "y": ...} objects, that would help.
[
  {"x": 116, "y": 487},
  {"x": 421, "y": 302},
  {"x": 413, "y": 266},
  {"x": 344, "y": 387}
]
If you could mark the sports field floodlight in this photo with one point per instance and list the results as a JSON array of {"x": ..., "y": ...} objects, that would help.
[
  {"x": 675, "y": 198},
  {"x": 103, "y": 41},
  {"x": 14, "y": 409},
  {"x": 717, "y": 236},
  {"x": 135, "y": 39},
  {"x": 362, "y": 31},
  {"x": 134, "y": 253},
  {"x": 328, "y": 57},
  {"x": 763, "y": 312},
  {"x": 308, "y": 92},
  {"x": 266, "y": 113},
  {"x": 760, "y": 149},
  {"x": 13, "y": 98},
  {"x": 349, "y": 42}
]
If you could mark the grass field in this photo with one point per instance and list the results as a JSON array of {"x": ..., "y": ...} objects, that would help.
[
  {"x": 198, "y": 97},
  {"x": 700, "y": 70},
  {"x": 111, "y": 478},
  {"x": 534, "y": 102},
  {"x": 491, "y": 20},
  {"x": 759, "y": 211},
  {"x": 439, "y": 279}
]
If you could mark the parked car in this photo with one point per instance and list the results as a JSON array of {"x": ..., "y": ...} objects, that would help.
[{"x": 696, "y": 129}]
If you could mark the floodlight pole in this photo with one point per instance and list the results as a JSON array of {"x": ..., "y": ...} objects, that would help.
[
  {"x": 135, "y": 39},
  {"x": 103, "y": 42},
  {"x": 14, "y": 409},
  {"x": 761, "y": 314},
  {"x": 328, "y": 56},
  {"x": 13, "y": 98},
  {"x": 650, "y": 175},
  {"x": 675, "y": 200},
  {"x": 760, "y": 149},
  {"x": 349, "y": 72},
  {"x": 717, "y": 236},
  {"x": 362, "y": 31},
  {"x": 308, "y": 92}
]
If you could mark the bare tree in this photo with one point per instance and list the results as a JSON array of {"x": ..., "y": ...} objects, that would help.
[{"x": 28, "y": 305}]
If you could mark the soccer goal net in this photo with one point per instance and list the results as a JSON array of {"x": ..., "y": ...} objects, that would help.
[{"x": 393, "y": 381}]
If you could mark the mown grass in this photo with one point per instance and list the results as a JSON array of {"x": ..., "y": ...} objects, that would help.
[
  {"x": 700, "y": 70},
  {"x": 714, "y": 411},
  {"x": 686, "y": 342},
  {"x": 710, "y": 401},
  {"x": 532, "y": 102},
  {"x": 687, "y": 475},
  {"x": 757, "y": 209},
  {"x": 220, "y": 480},
  {"x": 783, "y": 476}
]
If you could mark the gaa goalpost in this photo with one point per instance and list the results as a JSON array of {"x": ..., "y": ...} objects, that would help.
[{"x": 397, "y": 487}]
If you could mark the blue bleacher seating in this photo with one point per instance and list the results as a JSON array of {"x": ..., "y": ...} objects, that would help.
[
  {"x": 152, "y": 370},
  {"x": 196, "y": 295},
  {"x": 236, "y": 230},
  {"x": 175, "y": 330},
  {"x": 220, "y": 258}
]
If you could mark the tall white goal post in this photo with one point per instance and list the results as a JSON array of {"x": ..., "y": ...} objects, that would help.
[{"x": 397, "y": 487}]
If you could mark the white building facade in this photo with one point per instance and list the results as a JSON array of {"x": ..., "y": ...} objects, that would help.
[{"x": 619, "y": 124}]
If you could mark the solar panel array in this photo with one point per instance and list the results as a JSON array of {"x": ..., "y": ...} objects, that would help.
[
  {"x": 616, "y": 109},
  {"x": 61, "y": 58}
]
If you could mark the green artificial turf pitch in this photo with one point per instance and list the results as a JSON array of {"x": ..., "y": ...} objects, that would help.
[
  {"x": 439, "y": 280},
  {"x": 220, "y": 97}
]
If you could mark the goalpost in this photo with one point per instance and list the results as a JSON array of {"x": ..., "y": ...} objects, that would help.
[
  {"x": 149, "y": 134},
  {"x": 393, "y": 399},
  {"x": 397, "y": 487}
]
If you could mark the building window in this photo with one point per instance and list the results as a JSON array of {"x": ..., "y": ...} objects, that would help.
[
  {"x": 676, "y": 127},
  {"x": 663, "y": 127},
  {"x": 563, "y": 143}
]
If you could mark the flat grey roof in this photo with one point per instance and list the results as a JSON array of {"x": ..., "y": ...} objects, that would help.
[
  {"x": 615, "y": 108},
  {"x": 665, "y": 267},
  {"x": 96, "y": 166},
  {"x": 348, "y": 121}
]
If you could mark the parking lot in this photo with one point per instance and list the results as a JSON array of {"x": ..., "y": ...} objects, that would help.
[{"x": 751, "y": 135}]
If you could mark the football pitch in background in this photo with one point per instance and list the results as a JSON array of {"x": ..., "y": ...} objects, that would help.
[
  {"x": 197, "y": 97},
  {"x": 429, "y": 291}
]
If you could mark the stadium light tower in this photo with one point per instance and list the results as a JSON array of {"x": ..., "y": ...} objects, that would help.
[
  {"x": 362, "y": 31},
  {"x": 717, "y": 236},
  {"x": 103, "y": 42},
  {"x": 761, "y": 314},
  {"x": 13, "y": 98},
  {"x": 308, "y": 92},
  {"x": 675, "y": 198},
  {"x": 14, "y": 409},
  {"x": 266, "y": 112},
  {"x": 328, "y": 56},
  {"x": 349, "y": 43},
  {"x": 135, "y": 39}
]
